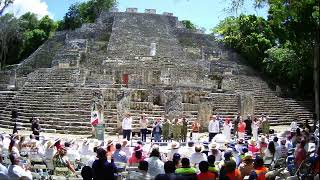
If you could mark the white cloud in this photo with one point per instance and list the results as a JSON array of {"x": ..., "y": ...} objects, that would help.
[{"x": 20, "y": 7}]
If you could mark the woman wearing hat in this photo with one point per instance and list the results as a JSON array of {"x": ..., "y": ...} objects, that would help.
[{"x": 60, "y": 162}]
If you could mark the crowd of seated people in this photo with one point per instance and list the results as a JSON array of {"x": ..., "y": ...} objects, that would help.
[{"x": 89, "y": 159}]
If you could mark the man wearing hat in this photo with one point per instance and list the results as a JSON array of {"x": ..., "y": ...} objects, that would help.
[{"x": 175, "y": 148}]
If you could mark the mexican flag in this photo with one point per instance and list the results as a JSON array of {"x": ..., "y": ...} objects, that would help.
[{"x": 94, "y": 116}]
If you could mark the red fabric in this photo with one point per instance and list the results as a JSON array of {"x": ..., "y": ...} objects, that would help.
[
  {"x": 242, "y": 127},
  {"x": 235, "y": 175},
  {"x": 206, "y": 176},
  {"x": 300, "y": 155},
  {"x": 133, "y": 159},
  {"x": 253, "y": 148},
  {"x": 261, "y": 173},
  {"x": 125, "y": 79}
]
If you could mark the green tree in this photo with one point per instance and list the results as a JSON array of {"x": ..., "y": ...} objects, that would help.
[
  {"x": 189, "y": 25},
  {"x": 9, "y": 37},
  {"x": 28, "y": 21},
  {"x": 85, "y": 12},
  {"x": 47, "y": 25}
]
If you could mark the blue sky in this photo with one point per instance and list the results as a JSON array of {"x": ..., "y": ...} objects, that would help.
[{"x": 203, "y": 13}]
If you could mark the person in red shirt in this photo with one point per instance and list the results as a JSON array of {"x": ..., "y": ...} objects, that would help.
[
  {"x": 232, "y": 172},
  {"x": 137, "y": 156},
  {"x": 204, "y": 172},
  {"x": 259, "y": 172},
  {"x": 241, "y": 129},
  {"x": 300, "y": 155}
]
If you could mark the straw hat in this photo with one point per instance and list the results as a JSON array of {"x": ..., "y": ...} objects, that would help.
[
  {"x": 175, "y": 145},
  {"x": 213, "y": 145},
  {"x": 109, "y": 143},
  {"x": 247, "y": 156}
]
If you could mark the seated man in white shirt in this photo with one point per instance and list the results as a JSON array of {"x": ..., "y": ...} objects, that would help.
[
  {"x": 198, "y": 156},
  {"x": 188, "y": 150},
  {"x": 3, "y": 170},
  {"x": 15, "y": 171}
]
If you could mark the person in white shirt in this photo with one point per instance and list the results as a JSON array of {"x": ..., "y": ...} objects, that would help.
[
  {"x": 3, "y": 170},
  {"x": 15, "y": 171},
  {"x": 198, "y": 156},
  {"x": 213, "y": 127},
  {"x": 188, "y": 151},
  {"x": 156, "y": 166},
  {"x": 127, "y": 126},
  {"x": 175, "y": 148}
]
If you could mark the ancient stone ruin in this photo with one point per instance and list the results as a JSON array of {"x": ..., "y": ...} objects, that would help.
[{"x": 141, "y": 63}]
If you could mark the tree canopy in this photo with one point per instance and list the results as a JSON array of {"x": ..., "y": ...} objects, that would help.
[
  {"x": 85, "y": 12},
  {"x": 21, "y": 36},
  {"x": 189, "y": 25},
  {"x": 281, "y": 46}
]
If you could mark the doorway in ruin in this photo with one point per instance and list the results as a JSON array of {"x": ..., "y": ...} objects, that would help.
[{"x": 125, "y": 79}]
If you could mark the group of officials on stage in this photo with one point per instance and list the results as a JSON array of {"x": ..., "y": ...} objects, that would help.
[{"x": 177, "y": 129}]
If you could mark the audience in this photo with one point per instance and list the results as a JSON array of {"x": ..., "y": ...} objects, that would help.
[
  {"x": 234, "y": 159},
  {"x": 205, "y": 174},
  {"x": 137, "y": 156},
  {"x": 185, "y": 168},
  {"x": 142, "y": 174},
  {"x": 119, "y": 155},
  {"x": 101, "y": 168},
  {"x": 198, "y": 156},
  {"x": 156, "y": 166},
  {"x": 15, "y": 170}
]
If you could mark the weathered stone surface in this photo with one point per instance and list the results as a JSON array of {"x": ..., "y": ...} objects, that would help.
[
  {"x": 246, "y": 103},
  {"x": 173, "y": 103},
  {"x": 204, "y": 113}
]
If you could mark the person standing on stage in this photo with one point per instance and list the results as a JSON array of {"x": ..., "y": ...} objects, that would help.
[
  {"x": 184, "y": 129},
  {"x": 35, "y": 127},
  {"x": 166, "y": 129},
  {"x": 143, "y": 127},
  {"x": 255, "y": 127},
  {"x": 14, "y": 115},
  {"x": 248, "y": 122},
  {"x": 213, "y": 127},
  {"x": 176, "y": 129},
  {"x": 235, "y": 125},
  {"x": 265, "y": 125},
  {"x": 227, "y": 125},
  {"x": 241, "y": 129},
  {"x": 127, "y": 126},
  {"x": 157, "y": 130},
  {"x": 195, "y": 130}
]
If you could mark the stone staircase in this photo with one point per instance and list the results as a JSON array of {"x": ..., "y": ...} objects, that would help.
[
  {"x": 53, "y": 96},
  {"x": 138, "y": 31},
  {"x": 281, "y": 111}
]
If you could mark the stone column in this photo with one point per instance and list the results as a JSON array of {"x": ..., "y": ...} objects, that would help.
[
  {"x": 204, "y": 113},
  {"x": 246, "y": 103},
  {"x": 172, "y": 103}
]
